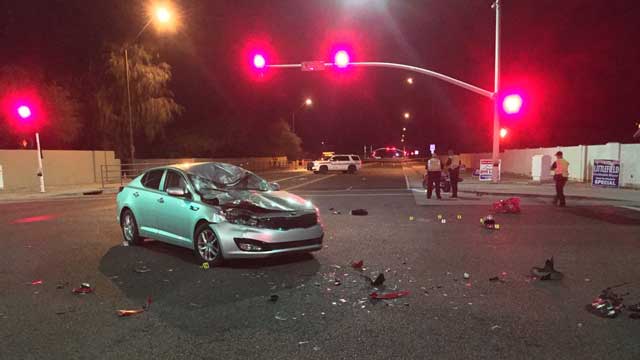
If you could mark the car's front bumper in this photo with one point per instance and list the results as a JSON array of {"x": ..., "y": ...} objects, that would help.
[{"x": 273, "y": 242}]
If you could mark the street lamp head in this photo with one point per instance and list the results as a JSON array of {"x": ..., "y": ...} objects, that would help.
[
  {"x": 512, "y": 104},
  {"x": 259, "y": 61},
  {"x": 410, "y": 80},
  {"x": 308, "y": 102},
  {"x": 406, "y": 115},
  {"x": 404, "y": 129},
  {"x": 163, "y": 15}
]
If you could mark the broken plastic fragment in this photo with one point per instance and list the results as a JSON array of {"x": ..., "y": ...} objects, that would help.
[
  {"x": 466, "y": 275},
  {"x": 37, "y": 282},
  {"x": 274, "y": 298},
  {"x": 510, "y": 205},
  {"x": 337, "y": 282},
  {"x": 379, "y": 280},
  {"x": 85, "y": 288},
  {"x": 391, "y": 295},
  {"x": 142, "y": 269},
  {"x": 357, "y": 264},
  {"x": 124, "y": 313},
  {"x": 548, "y": 272},
  {"x": 359, "y": 212}
]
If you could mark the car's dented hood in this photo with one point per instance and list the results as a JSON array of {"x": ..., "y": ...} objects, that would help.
[{"x": 267, "y": 200}]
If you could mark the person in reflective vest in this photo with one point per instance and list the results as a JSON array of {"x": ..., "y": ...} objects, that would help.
[
  {"x": 560, "y": 169},
  {"x": 453, "y": 166},
  {"x": 434, "y": 171}
]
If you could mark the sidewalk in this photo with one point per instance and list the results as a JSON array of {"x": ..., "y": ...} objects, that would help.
[
  {"x": 521, "y": 186},
  {"x": 58, "y": 192}
]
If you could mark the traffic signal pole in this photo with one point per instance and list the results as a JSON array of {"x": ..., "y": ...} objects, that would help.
[
  {"x": 40, "y": 172},
  {"x": 495, "y": 154}
]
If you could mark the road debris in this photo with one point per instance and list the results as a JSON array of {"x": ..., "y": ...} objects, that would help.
[
  {"x": 548, "y": 272},
  {"x": 466, "y": 276},
  {"x": 411, "y": 218},
  {"x": 357, "y": 264},
  {"x": 608, "y": 304},
  {"x": 495, "y": 327},
  {"x": 125, "y": 313},
  {"x": 281, "y": 318},
  {"x": 489, "y": 223},
  {"x": 85, "y": 288},
  {"x": 496, "y": 278},
  {"x": 507, "y": 206},
  {"x": 142, "y": 269},
  {"x": 359, "y": 212},
  {"x": 337, "y": 282},
  {"x": 388, "y": 296},
  {"x": 273, "y": 298},
  {"x": 125, "y": 243},
  {"x": 37, "y": 282}
]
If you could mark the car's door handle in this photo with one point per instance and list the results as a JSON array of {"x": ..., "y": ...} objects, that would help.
[
  {"x": 136, "y": 194},
  {"x": 161, "y": 201},
  {"x": 194, "y": 208}
]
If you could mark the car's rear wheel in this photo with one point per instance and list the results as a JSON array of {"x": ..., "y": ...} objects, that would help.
[
  {"x": 352, "y": 169},
  {"x": 130, "y": 228},
  {"x": 324, "y": 169},
  {"x": 207, "y": 245}
]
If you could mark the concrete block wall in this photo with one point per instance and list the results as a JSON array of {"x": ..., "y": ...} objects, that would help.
[
  {"x": 518, "y": 161},
  {"x": 60, "y": 167}
]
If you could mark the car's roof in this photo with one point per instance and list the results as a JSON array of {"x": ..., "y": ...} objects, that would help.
[
  {"x": 344, "y": 155},
  {"x": 187, "y": 166}
]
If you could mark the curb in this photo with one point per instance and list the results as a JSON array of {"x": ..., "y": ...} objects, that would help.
[{"x": 574, "y": 197}]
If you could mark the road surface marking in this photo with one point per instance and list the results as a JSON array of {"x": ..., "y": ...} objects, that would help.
[
  {"x": 406, "y": 179},
  {"x": 291, "y": 177},
  {"x": 309, "y": 182}
]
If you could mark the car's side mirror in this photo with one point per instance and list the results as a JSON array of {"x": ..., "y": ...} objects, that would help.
[
  {"x": 274, "y": 186},
  {"x": 178, "y": 192}
]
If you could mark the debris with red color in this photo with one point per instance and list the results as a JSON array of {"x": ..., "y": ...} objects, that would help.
[
  {"x": 387, "y": 296},
  {"x": 37, "y": 282},
  {"x": 357, "y": 264},
  {"x": 84, "y": 288},
  {"x": 124, "y": 313},
  {"x": 507, "y": 206},
  {"x": 608, "y": 304}
]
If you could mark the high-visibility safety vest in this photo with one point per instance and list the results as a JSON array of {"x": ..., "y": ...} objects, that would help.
[
  {"x": 434, "y": 164},
  {"x": 561, "y": 168}
]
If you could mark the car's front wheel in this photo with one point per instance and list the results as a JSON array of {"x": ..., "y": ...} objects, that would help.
[
  {"x": 207, "y": 245},
  {"x": 324, "y": 169},
  {"x": 130, "y": 228},
  {"x": 352, "y": 169}
]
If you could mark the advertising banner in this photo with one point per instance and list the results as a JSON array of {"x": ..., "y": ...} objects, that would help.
[
  {"x": 486, "y": 170},
  {"x": 606, "y": 173}
]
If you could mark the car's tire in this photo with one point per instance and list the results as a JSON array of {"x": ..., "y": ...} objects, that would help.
[
  {"x": 129, "y": 227},
  {"x": 352, "y": 169},
  {"x": 206, "y": 245},
  {"x": 324, "y": 169},
  {"x": 315, "y": 172}
]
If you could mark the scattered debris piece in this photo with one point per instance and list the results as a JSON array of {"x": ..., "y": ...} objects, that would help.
[
  {"x": 37, "y": 282},
  {"x": 495, "y": 327},
  {"x": 343, "y": 301},
  {"x": 357, "y": 264},
  {"x": 387, "y": 296},
  {"x": 125, "y": 243},
  {"x": 379, "y": 280},
  {"x": 496, "y": 278},
  {"x": 466, "y": 276},
  {"x": 548, "y": 272},
  {"x": 337, "y": 282},
  {"x": 273, "y": 298},
  {"x": 336, "y": 266},
  {"x": 85, "y": 288},
  {"x": 359, "y": 212},
  {"x": 331, "y": 209},
  {"x": 302, "y": 342},
  {"x": 411, "y": 218},
  {"x": 142, "y": 269},
  {"x": 510, "y": 205},
  {"x": 489, "y": 222},
  {"x": 608, "y": 304},
  {"x": 124, "y": 313}
]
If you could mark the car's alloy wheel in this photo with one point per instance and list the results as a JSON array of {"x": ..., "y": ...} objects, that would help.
[
  {"x": 130, "y": 228},
  {"x": 207, "y": 245},
  {"x": 324, "y": 169},
  {"x": 352, "y": 169}
]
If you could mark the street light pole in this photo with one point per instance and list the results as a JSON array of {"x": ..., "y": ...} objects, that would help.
[
  {"x": 132, "y": 148},
  {"x": 40, "y": 170},
  {"x": 495, "y": 155}
]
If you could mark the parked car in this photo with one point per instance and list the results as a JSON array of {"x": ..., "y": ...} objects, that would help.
[
  {"x": 219, "y": 210},
  {"x": 346, "y": 163}
]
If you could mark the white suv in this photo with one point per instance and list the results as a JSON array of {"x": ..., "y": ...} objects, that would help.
[{"x": 345, "y": 163}]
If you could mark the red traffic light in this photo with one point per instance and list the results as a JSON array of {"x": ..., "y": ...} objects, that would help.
[
  {"x": 259, "y": 62},
  {"x": 511, "y": 104},
  {"x": 341, "y": 59},
  {"x": 24, "y": 112}
]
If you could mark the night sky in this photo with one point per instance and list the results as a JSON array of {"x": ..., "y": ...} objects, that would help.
[{"x": 577, "y": 62}]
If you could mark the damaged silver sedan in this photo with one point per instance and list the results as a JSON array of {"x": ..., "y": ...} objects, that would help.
[{"x": 219, "y": 210}]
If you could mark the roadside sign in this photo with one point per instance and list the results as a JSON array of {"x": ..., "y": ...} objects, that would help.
[
  {"x": 432, "y": 148},
  {"x": 486, "y": 170},
  {"x": 312, "y": 65},
  {"x": 606, "y": 173}
]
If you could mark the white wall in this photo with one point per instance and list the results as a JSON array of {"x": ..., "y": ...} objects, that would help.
[{"x": 518, "y": 161}]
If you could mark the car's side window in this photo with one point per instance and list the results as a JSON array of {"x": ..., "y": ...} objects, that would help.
[
  {"x": 355, "y": 158},
  {"x": 174, "y": 180},
  {"x": 152, "y": 179},
  {"x": 342, "y": 158}
]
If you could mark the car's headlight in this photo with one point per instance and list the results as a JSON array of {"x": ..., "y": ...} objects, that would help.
[{"x": 241, "y": 218}]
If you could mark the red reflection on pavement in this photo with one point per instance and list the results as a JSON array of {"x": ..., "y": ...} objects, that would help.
[{"x": 33, "y": 219}]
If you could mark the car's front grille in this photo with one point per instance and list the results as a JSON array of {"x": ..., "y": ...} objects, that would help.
[{"x": 289, "y": 222}]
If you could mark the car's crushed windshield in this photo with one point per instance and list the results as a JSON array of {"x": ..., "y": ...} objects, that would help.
[{"x": 224, "y": 177}]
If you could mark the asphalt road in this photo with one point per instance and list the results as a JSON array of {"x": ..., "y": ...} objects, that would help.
[{"x": 226, "y": 313}]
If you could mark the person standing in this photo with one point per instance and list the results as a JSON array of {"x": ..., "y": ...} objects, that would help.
[
  {"x": 560, "y": 169},
  {"x": 434, "y": 171},
  {"x": 453, "y": 165}
]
